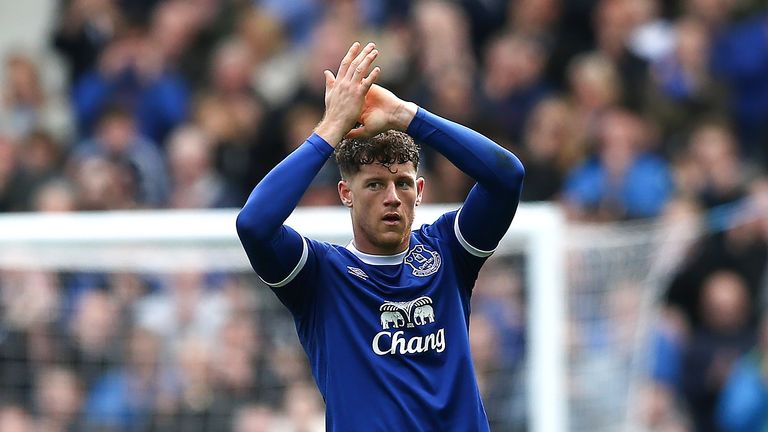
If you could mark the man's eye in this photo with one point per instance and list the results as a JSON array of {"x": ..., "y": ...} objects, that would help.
[
  {"x": 374, "y": 185},
  {"x": 403, "y": 184}
]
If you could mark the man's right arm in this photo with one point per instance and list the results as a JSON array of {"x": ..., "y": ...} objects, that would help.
[{"x": 275, "y": 251}]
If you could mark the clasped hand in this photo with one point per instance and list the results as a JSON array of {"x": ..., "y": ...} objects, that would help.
[{"x": 351, "y": 98}]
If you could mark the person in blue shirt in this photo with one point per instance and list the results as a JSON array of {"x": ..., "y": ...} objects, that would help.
[
  {"x": 384, "y": 320},
  {"x": 743, "y": 402}
]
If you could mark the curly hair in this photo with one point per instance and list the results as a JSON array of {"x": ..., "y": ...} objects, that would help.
[{"x": 387, "y": 148}]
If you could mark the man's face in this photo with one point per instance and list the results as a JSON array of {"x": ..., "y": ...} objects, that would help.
[
  {"x": 116, "y": 134},
  {"x": 382, "y": 200}
]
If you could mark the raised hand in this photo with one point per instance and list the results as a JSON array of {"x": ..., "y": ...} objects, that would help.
[
  {"x": 383, "y": 111},
  {"x": 345, "y": 93}
]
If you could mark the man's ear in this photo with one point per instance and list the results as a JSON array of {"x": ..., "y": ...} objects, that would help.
[
  {"x": 345, "y": 193},
  {"x": 419, "y": 189}
]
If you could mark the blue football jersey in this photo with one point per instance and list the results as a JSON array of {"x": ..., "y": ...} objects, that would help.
[{"x": 387, "y": 336}]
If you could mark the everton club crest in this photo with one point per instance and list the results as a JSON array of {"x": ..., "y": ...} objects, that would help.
[{"x": 423, "y": 261}]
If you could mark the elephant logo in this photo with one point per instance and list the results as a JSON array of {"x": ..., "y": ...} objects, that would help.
[
  {"x": 423, "y": 261},
  {"x": 392, "y": 317},
  {"x": 407, "y": 314},
  {"x": 423, "y": 314}
]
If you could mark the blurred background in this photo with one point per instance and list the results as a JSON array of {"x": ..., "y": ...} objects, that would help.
[{"x": 645, "y": 121}]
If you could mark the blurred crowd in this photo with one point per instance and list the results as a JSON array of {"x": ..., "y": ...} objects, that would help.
[{"x": 619, "y": 109}]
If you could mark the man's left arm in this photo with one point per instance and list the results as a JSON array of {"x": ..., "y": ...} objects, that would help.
[{"x": 491, "y": 204}]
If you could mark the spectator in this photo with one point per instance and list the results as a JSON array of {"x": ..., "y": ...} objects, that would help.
[
  {"x": 84, "y": 28},
  {"x": 184, "y": 307},
  {"x": 717, "y": 177},
  {"x": 103, "y": 185},
  {"x": 622, "y": 181},
  {"x": 746, "y": 73},
  {"x": 194, "y": 182},
  {"x": 181, "y": 32},
  {"x": 299, "y": 18},
  {"x": 236, "y": 119},
  {"x": 56, "y": 195},
  {"x": 614, "y": 24},
  {"x": 743, "y": 405},
  {"x": 683, "y": 91},
  {"x": 118, "y": 142},
  {"x": 8, "y": 163},
  {"x": 594, "y": 89},
  {"x": 58, "y": 401},
  {"x": 275, "y": 76},
  {"x": 442, "y": 34},
  {"x": 240, "y": 372},
  {"x": 27, "y": 105},
  {"x": 133, "y": 75},
  {"x": 660, "y": 408},
  {"x": 14, "y": 418},
  {"x": 39, "y": 161},
  {"x": 550, "y": 149},
  {"x": 493, "y": 375},
  {"x": 714, "y": 347},
  {"x": 453, "y": 93},
  {"x": 513, "y": 82},
  {"x": 499, "y": 300},
  {"x": 91, "y": 347},
  {"x": 30, "y": 305},
  {"x": 125, "y": 398},
  {"x": 740, "y": 248},
  {"x": 194, "y": 405}
]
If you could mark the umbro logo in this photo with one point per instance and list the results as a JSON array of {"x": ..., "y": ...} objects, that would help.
[{"x": 357, "y": 272}]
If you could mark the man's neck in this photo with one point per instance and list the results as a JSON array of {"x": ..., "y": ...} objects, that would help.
[
  {"x": 378, "y": 259},
  {"x": 369, "y": 249}
]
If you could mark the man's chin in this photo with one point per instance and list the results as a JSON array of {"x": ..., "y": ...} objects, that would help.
[{"x": 391, "y": 240}]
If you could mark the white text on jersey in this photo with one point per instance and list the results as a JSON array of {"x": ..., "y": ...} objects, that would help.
[{"x": 397, "y": 344}]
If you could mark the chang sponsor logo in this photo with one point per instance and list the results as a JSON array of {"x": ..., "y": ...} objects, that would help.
[
  {"x": 408, "y": 314},
  {"x": 396, "y": 343}
]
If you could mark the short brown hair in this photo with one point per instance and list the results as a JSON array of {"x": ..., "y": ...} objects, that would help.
[{"x": 387, "y": 148}]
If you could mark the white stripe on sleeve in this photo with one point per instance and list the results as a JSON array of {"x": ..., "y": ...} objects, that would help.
[
  {"x": 468, "y": 247},
  {"x": 295, "y": 271}
]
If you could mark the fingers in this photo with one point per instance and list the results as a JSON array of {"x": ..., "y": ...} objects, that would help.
[
  {"x": 347, "y": 60},
  {"x": 329, "y": 79},
  {"x": 362, "y": 69},
  {"x": 355, "y": 68},
  {"x": 358, "y": 132},
  {"x": 368, "y": 81}
]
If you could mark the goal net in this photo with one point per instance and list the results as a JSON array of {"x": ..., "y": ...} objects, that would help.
[{"x": 155, "y": 321}]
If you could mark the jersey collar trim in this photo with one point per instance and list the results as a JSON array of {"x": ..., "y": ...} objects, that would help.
[{"x": 377, "y": 259}]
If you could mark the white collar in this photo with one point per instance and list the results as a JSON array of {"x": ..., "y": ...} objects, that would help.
[{"x": 377, "y": 259}]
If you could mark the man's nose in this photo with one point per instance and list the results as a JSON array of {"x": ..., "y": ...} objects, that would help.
[{"x": 391, "y": 198}]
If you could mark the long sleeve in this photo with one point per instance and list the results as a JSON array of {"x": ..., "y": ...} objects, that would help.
[
  {"x": 276, "y": 251},
  {"x": 491, "y": 204}
]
